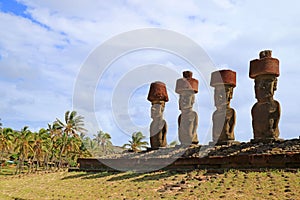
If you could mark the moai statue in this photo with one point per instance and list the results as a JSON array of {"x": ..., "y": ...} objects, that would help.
[
  {"x": 187, "y": 87},
  {"x": 224, "y": 117},
  {"x": 266, "y": 112},
  {"x": 158, "y": 128}
]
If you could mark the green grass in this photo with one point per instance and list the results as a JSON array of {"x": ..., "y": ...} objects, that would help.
[
  {"x": 8, "y": 170},
  {"x": 156, "y": 185}
]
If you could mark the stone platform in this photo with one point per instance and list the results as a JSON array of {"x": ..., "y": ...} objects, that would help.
[{"x": 276, "y": 155}]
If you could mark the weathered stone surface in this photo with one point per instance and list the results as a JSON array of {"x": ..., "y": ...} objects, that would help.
[
  {"x": 224, "y": 117},
  {"x": 266, "y": 112},
  {"x": 158, "y": 128},
  {"x": 264, "y": 65},
  {"x": 243, "y": 156},
  {"x": 187, "y": 83},
  {"x": 186, "y": 87},
  {"x": 223, "y": 77},
  {"x": 158, "y": 92}
]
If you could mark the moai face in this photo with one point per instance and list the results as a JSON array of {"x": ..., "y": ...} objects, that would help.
[
  {"x": 186, "y": 100},
  {"x": 265, "y": 86},
  {"x": 222, "y": 96},
  {"x": 157, "y": 110}
]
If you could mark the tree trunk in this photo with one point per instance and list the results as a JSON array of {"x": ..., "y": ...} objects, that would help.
[
  {"x": 20, "y": 165},
  {"x": 46, "y": 160},
  {"x": 1, "y": 158},
  {"x": 60, "y": 156}
]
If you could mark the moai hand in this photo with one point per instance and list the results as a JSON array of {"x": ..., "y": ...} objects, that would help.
[
  {"x": 266, "y": 112},
  {"x": 186, "y": 87},
  {"x": 158, "y": 128},
  {"x": 224, "y": 117}
]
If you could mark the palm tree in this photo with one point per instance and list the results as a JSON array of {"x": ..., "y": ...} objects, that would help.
[
  {"x": 72, "y": 126},
  {"x": 6, "y": 137},
  {"x": 54, "y": 143},
  {"x": 92, "y": 146},
  {"x": 47, "y": 147},
  {"x": 136, "y": 143},
  {"x": 24, "y": 141},
  {"x": 89, "y": 147},
  {"x": 103, "y": 140},
  {"x": 38, "y": 145},
  {"x": 73, "y": 149}
]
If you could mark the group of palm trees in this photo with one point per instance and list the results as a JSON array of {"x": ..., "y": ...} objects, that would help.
[{"x": 56, "y": 146}]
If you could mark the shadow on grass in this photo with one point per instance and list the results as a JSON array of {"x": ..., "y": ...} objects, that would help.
[
  {"x": 101, "y": 175},
  {"x": 17, "y": 198},
  {"x": 77, "y": 176},
  {"x": 156, "y": 176},
  {"x": 90, "y": 175},
  {"x": 125, "y": 176},
  {"x": 140, "y": 177}
]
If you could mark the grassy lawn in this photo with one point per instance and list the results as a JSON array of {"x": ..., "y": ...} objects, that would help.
[{"x": 156, "y": 185}]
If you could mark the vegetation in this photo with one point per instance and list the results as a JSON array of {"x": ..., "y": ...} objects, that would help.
[
  {"x": 136, "y": 144},
  {"x": 155, "y": 185},
  {"x": 173, "y": 143},
  {"x": 6, "y": 137},
  {"x": 103, "y": 139},
  {"x": 55, "y": 147}
]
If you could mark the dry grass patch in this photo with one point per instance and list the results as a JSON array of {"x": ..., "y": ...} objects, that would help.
[{"x": 156, "y": 185}]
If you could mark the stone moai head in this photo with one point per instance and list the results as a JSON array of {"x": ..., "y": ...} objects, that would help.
[
  {"x": 157, "y": 110},
  {"x": 186, "y": 100},
  {"x": 265, "y": 71},
  {"x": 157, "y": 96},
  {"x": 186, "y": 87},
  {"x": 223, "y": 81},
  {"x": 265, "y": 86}
]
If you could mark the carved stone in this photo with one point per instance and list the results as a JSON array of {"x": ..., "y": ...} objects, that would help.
[
  {"x": 224, "y": 117},
  {"x": 186, "y": 87},
  {"x": 158, "y": 128},
  {"x": 187, "y": 83},
  {"x": 266, "y": 112},
  {"x": 158, "y": 92}
]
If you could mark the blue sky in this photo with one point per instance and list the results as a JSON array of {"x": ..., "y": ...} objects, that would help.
[{"x": 44, "y": 44}]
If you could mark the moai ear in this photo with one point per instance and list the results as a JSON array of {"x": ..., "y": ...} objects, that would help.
[
  {"x": 230, "y": 90},
  {"x": 162, "y": 107},
  {"x": 275, "y": 84},
  {"x": 193, "y": 99}
]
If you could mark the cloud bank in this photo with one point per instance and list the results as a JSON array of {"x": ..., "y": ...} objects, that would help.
[{"x": 43, "y": 45}]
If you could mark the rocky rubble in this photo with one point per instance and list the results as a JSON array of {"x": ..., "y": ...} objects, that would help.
[{"x": 197, "y": 151}]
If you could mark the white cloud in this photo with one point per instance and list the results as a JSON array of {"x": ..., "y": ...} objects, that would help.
[{"x": 41, "y": 55}]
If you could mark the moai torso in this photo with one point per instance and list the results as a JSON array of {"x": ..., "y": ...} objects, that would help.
[
  {"x": 158, "y": 134},
  {"x": 187, "y": 127},
  {"x": 223, "y": 125},
  {"x": 265, "y": 120}
]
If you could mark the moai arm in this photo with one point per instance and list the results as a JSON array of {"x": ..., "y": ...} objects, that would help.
[
  {"x": 179, "y": 120},
  {"x": 164, "y": 132},
  {"x": 256, "y": 131},
  {"x": 195, "y": 127},
  {"x": 232, "y": 121},
  {"x": 275, "y": 119}
]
